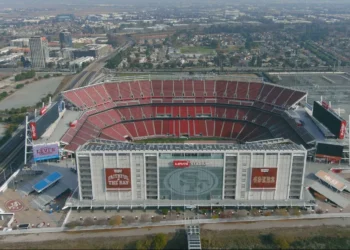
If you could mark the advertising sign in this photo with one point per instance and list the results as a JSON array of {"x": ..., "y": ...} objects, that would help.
[
  {"x": 181, "y": 164},
  {"x": 46, "y": 151},
  {"x": 342, "y": 131},
  {"x": 263, "y": 178},
  {"x": 43, "y": 110},
  {"x": 33, "y": 128},
  {"x": 118, "y": 179}
]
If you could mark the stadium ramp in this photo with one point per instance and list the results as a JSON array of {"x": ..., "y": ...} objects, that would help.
[{"x": 335, "y": 197}]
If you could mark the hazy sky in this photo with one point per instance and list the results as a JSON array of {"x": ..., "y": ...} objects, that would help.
[{"x": 44, "y": 3}]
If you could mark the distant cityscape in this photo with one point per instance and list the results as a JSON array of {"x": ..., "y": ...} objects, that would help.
[{"x": 209, "y": 36}]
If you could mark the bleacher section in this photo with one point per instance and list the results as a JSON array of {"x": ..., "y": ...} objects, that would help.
[
  {"x": 99, "y": 94},
  {"x": 244, "y": 111}
]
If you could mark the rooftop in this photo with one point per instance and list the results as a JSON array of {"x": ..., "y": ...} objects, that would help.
[
  {"x": 108, "y": 145},
  {"x": 55, "y": 132}
]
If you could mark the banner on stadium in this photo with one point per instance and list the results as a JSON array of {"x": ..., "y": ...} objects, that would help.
[
  {"x": 263, "y": 178},
  {"x": 33, "y": 129},
  {"x": 118, "y": 179},
  {"x": 342, "y": 130},
  {"x": 46, "y": 151}
]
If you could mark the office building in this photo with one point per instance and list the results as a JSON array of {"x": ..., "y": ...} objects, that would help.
[
  {"x": 65, "y": 39},
  {"x": 39, "y": 51}
]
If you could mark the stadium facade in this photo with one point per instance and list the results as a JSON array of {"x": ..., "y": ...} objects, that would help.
[{"x": 126, "y": 174}]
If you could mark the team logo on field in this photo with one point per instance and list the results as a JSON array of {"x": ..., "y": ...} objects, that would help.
[{"x": 191, "y": 182}]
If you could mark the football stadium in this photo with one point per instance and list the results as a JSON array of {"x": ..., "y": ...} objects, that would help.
[{"x": 166, "y": 141}]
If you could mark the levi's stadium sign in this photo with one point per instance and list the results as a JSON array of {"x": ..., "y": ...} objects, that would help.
[
  {"x": 263, "y": 178},
  {"x": 181, "y": 164},
  {"x": 118, "y": 179},
  {"x": 46, "y": 151}
]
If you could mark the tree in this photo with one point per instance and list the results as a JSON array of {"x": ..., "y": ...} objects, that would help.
[
  {"x": 51, "y": 65},
  {"x": 165, "y": 211},
  {"x": 159, "y": 241},
  {"x": 280, "y": 241},
  {"x": 115, "y": 220}
]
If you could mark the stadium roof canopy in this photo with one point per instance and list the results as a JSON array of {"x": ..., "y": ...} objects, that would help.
[
  {"x": 330, "y": 195},
  {"x": 105, "y": 145}
]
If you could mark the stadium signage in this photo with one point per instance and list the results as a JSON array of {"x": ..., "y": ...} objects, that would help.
[
  {"x": 263, "y": 178},
  {"x": 43, "y": 110},
  {"x": 118, "y": 179},
  {"x": 33, "y": 129},
  {"x": 46, "y": 152},
  {"x": 187, "y": 163},
  {"x": 325, "y": 105},
  {"x": 342, "y": 130},
  {"x": 181, "y": 164}
]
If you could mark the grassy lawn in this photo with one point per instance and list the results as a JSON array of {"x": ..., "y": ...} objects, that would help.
[
  {"x": 196, "y": 50},
  {"x": 78, "y": 45},
  {"x": 325, "y": 237}
]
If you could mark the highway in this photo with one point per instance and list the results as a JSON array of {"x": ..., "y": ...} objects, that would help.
[{"x": 12, "y": 152}]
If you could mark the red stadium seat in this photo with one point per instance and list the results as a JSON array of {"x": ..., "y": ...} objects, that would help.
[
  {"x": 158, "y": 130},
  {"x": 231, "y": 89},
  {"x": 113, "y": 90},
  {"x": 209, "y": 87},
  {"x": 218, "y": 128},
  {"x": 210, "y": 127},
  {"x": 220, "y": 88},
  {"x": 198, "y": 88},
  {"x": 141, "y": 129},
  {"x": 150, "y": 128},
  {"x": 242, "y": 90},
  {"x": 184, "y": 130},
  {"x": 154, "y": 108},
  {"x": 157, "y": 88},
  {"x": 130, "y": 126},
  {"x": 168, "y": 89},
  {"x": 178, "y": 87},
  {"x": 188, "y": 88}
]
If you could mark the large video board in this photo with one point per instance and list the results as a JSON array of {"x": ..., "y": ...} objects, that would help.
[{"x": 329, "y": 119}]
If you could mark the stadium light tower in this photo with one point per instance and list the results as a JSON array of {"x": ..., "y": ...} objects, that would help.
[{"x": 28, "y": 142}]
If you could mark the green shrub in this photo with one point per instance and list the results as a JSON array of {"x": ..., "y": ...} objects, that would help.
[{"x": 19, "y": 86}]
